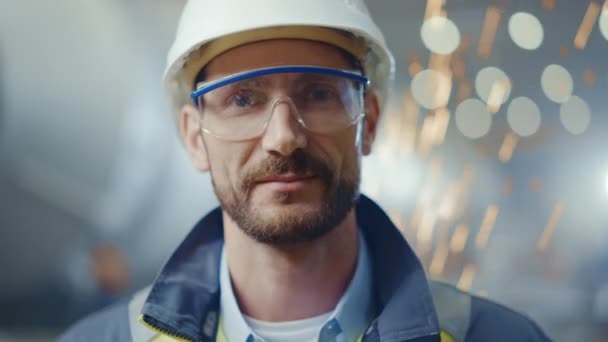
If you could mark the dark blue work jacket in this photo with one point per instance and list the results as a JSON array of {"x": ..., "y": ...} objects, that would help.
[{"x": 183, "y": 302}]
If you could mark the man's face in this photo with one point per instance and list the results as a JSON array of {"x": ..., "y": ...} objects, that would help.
[{"x": 288, "y": 185}]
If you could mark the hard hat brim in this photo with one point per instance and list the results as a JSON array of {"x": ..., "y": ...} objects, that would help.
[{"x": 343, "y": 40}]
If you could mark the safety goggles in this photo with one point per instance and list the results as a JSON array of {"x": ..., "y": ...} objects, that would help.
[{"x": 240, "y": 106}]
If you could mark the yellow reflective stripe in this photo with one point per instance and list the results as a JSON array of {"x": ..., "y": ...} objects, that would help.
[
  {"x": 445, "y": 337},
  {"x": 162, "y": 336},
  {"x": 220, "y": 332}
]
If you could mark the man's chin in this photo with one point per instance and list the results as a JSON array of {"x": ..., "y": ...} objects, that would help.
[
  {"x": 287, "y": 209},
  {"x": 285, "y": 226}
]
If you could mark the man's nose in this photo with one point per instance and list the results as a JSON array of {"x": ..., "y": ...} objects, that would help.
[{"x": 284, "y": 133}]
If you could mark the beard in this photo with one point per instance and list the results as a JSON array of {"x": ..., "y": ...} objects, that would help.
[{"x": 285, "y": 227}]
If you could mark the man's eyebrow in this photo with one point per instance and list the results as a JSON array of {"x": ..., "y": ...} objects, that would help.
[
  {"x": 259, "y": 81},
  {"x": 247, "y": 83}
]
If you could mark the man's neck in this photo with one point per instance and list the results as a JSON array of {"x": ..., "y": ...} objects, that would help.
[{"x": 291, "y": 282}]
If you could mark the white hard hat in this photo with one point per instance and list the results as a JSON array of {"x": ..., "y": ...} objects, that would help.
[{"x": 209, "y": 27}]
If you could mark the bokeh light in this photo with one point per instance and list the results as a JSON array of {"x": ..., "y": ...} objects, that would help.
[
  {"x": 523, "y": 116},
  {"x": 493, "y": 86},
  {"x": 526, "y": 31},
  {"x": 473, "y": 118},
  {"x": 575, "y": 115},
  {"x": 440, "y": 35},
  {"x": 557, "y": 83},
  {"x": 431, "y": 89}
]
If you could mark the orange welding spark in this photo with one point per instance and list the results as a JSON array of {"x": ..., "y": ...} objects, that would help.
[
  {"x": 440, "y": 125},
  {"x": 589, "y": 77},
  {"x": 508, "y": 147},
  {"x": 487, "y": 224},
  {"x": 548, "y": 5},
  {"x": 433, "y": 8},
  {"x": 465, "y": 90},
  {"x": 414, "y": 68},
  {"x": 488, "y": 32},
  {"x": 461, "y": 198},
  {"x": 468, "y": 176},
  {"x": 443, "y": 90},
  {"x": 410, "y": 106},
  {"x": 459, "y": 69},
  {"x": 440, "y": 63},
  {"x": 466, "y": 278},
  {"x": 410, "y": 123},
  {"x": 466, "y": 41},
  {"x": 425, "y": 231},
  {"x": 584, "y": 30},
  {"x": 425, "y": 143},
  {"x": 549, "y": 230},
  {"x": 497, "y": 94},
  {"x": 439, "y": 259},
  {"x": 459, "y": 238},
  {"x": 448, "y": 205},
  {"x": 440, "y": 86},
  {"x": 413, "y": 57}
]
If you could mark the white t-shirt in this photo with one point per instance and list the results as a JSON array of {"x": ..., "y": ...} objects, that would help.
[{"x": 304, "y": 330}]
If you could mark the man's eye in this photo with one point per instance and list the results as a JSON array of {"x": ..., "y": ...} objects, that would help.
[
  {"x": 246, "y": 98},
  {"x": 243, "y": 100},
  {"x": 320, "y": 95}
]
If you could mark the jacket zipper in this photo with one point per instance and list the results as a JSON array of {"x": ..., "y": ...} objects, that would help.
[{"x": 156, "y": 328}]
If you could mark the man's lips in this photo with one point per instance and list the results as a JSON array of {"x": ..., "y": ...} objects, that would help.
[{"x": 286, "y": 183}]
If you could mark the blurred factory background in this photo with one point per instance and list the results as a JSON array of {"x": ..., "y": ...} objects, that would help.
[{"x": 492, "y": 158}]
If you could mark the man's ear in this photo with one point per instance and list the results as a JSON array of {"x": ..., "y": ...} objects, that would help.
[
  {"x": 372, "y": 116},
  {"x": 191, "y": 135}
]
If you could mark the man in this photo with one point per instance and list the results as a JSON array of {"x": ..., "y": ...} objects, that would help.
[{"x": 279, "y": 100}]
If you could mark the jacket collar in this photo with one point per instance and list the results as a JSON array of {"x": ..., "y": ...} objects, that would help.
[
  {"x": 404, "y": 300},
  {"x": 184, "y": 299}
]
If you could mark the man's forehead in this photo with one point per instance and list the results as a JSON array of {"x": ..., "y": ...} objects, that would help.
[{"x": 276, "y": 53}]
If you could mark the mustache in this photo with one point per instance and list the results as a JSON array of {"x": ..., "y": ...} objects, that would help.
[{"x": 298, "y": 163}]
